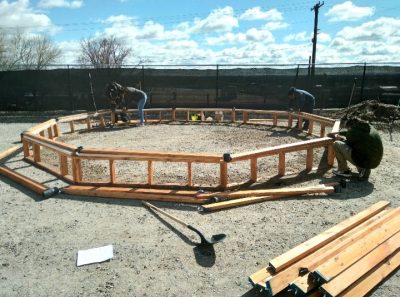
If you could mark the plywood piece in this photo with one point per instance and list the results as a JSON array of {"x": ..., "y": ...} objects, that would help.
[
  {"x": 323, "y": 238},
  {"x": 363, "y": 266}
]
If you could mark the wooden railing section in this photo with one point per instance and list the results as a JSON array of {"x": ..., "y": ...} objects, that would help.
[{"x": 70, "y": 164}]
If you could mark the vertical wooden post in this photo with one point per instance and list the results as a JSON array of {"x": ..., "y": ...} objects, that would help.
[
  {"x": 160, "y": 116},
  {"x": 311, "y": 126},
  {"x": 223, "y": 174},
  {"x": 63, "y": 164},
  {"x": 76, "y": 170},
  {"x": 102, "y": 122},
  {"x": 36, "y": 153},
  {"x": 300, "y": 123},
  {"x": 112, "y": 171},
  {"x": 150, "y": 171},
  {"x": 233, "y": 115},
  {"x": 50, "y": 132},
  {"x": 25, "y": 146},
  {"x": 145, "y": 116},
  {"x": 330, "y": 155},
  {"x": 88, "y": 123},
  {"x": 173, "y": 114},
  {"x": 57, "y": 130},
  {"x": 113, "y": 118},
  {"x": 41, "y": 133},
  {"x": 290, "y": 120},
  {"x": 275, "y": 120},
  {"x": 309, "y": 159},
  {"x": 72, "y": 126},
  {"x": 253, "y": 169},
  {"x": 187, "y": 116},
  {"x": 322, "y": 132},
  {"x": 282, "y": 164},
  {"x": 190, "y": 174},
  {"x": 245, "y": 117}
]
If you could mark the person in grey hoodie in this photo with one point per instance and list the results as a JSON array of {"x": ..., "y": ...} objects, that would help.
[{"x": 301, "y": 100}]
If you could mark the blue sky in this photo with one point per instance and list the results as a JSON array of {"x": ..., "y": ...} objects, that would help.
[{"x": 210, "y": 32}]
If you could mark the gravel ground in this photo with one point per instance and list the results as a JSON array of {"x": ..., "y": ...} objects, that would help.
[{"x": 154, "y": 256}]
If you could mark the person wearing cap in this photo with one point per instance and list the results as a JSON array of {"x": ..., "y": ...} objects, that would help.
[
  {"x": 359, "y": 144},
  {"x": 303, "y": 101}
]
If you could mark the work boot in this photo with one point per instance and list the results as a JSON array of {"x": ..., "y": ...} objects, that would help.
[
  {"x": 342, "y": 173},
  {"x": 364, "y": 173}
]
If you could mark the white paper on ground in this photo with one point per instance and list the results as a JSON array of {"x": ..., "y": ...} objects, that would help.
[{"x": 95, "y": 255}]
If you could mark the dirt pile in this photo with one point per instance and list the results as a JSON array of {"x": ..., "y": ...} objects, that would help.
[{"x": 372, "y": 111}]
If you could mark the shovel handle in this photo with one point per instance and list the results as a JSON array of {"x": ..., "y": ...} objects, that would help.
[{"x": 165, "y": 213}]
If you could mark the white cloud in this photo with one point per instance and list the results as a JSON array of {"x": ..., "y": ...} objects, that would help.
[
  {"x": 375, "y": 41},
  {"x": 251, "y": 35},
  {"x": 60, "y": 3},
  {"x": 18, "y": 15},
  {"x": 255, "y": 13},
  {"x": 302, "y": 36},
  {"x": 347, "y": 11},
  {"x": 218, "y": 20},
  {"x": 275, "y": 26}
]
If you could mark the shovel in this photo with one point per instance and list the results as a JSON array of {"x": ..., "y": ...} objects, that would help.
[{"x": 204, "y": 241}]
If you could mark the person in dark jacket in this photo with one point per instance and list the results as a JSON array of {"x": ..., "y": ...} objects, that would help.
[
  {"x": 301, "y": 100},
  {"x": 361, "y": 145}
]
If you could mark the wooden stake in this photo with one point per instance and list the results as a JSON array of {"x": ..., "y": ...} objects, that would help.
[
  {"x": 282, "y": 164},
  {"x": 63, "y": 164},
  {"x": 253, "y": 170},
  {"x": 190, "y": 174},
  {"x": 150, "y": 174},
  {"x": 112, "y": 171}
]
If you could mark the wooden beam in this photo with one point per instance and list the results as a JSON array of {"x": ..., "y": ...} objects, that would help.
[
  {"x": 369, "y": 281},
  {"x": 50, "y": 132},
  {"x": 63, "y": 164},
  {"x": 322, "y": 130},
  {"x": 26, "y": 145},
  {"x": 291, "y": 147},
  {"x": 330, "y": 155},
  {"x": 36, "y": 152},
  {"x": 223, "y": 175},
  {"x": 282, "y": 164},
  {"x": 112, "y": 171},
  {"x": 190, "y": 174},
  {"x": 253, "y": 170},
  {"x": 23, "y": 180},
  {"x": 336, "y": 127},
  {"x": 72, "y": 126},
  {"x": 276, "y": 282},
  {"x": 88, "y": 123},
  {"x": 362, "y": 267},
  {"x": 239, "y": 202},
  {"x": 128, "y": 193},
  {"x": 323, "y": 238},
  {"x": 269, "y": 192},
  {"x": 305, "y": 283},
  {"x": 309, "y": 159},
  {"x": 76, "y": 170},
  {"x": 290, "y": 120},
  {"x": 102, "y": 122},
  {"x": 6, "y": 153},
  {"x": 334, "y": 266},
  {"x": 150, "y": 172}
]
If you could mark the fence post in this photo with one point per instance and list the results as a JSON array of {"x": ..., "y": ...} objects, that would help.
[
  {"x": 362, "y": 82},
  {"x": 216, "y": 85}
]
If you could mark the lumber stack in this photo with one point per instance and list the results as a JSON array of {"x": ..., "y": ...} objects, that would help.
[{"x": 349, "y": 259}]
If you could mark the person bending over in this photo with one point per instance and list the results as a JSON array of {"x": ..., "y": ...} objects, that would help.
[{"x": 301, "y": 100}]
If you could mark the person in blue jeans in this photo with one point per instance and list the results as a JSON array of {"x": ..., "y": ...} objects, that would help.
[
  {"x": 124, "y": 97},
  {"x": 301, "y": 100},
  {"x": 131, "y": 94}
]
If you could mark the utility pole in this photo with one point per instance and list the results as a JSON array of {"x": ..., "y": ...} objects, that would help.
[{"x": 314, "y": 40}]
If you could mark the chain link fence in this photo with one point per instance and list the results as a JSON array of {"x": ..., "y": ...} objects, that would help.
[{"x": 67, "y": 87}]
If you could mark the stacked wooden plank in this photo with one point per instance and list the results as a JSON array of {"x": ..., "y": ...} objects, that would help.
[
  {"x": 349, "y": 259},
  {"x": 246, "y": 197}
]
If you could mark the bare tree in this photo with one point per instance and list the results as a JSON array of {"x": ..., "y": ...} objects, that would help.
[
  {"x": 30, "y": 52},
  {"x": 103, "y": 52}
]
